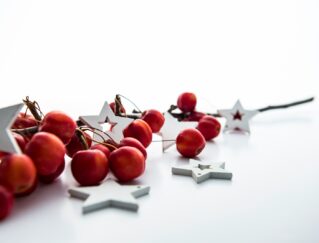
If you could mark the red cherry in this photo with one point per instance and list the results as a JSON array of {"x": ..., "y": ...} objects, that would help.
[
  {"x": 209, "y": 127},
  {"x": 190, "y": 142},
  {"x": 75, "y": 144},
  {"x": 20, "y": 140},
  {"x": 122, "y": 109},
  {"x": 154, "y": 119},
  {"x": 47, "y": 152},
  {"x": 17, "y": 173},
  {"x": 89, "y": 167},
  {"x": 186, "y": 102},
  {"x": 194, "y": 116},
  {"x": 59, "y": 124},
  {"x": 2, "y": 154},
  {"x": 6, "y": 202},
  {"x": 127, "y": 163},
  {"x": 132, "y": 142},
  {"x": 103, "y": 149},
  {"x": 140, "y": 130},
  {"x": 24, "y": 121}
]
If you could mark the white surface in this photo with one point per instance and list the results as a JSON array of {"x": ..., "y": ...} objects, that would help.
[{"x": 74, "y": 55}]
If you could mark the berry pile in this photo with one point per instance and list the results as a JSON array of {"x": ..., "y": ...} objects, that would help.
[{"x": 46, "y": 139}]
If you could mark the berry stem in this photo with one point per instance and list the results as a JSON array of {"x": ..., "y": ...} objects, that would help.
[
  {"x": 80, "y": 134},
  {"x": 274, "y": 107},
  {"x": 34, "y": 108},
  {"x": 26, "y": 131}
]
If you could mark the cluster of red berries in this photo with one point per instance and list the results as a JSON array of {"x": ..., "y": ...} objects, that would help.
[
  {"x": 48, "y": 140},
  {"x": 190, "y": 142}
]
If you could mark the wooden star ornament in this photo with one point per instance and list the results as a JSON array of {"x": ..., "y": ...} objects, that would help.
[
  {"x": 237, "y": 118},
  {"x": 7, "y": 117}
]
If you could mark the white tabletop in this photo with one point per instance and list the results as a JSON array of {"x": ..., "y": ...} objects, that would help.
[{"x": 74, "y": 55}]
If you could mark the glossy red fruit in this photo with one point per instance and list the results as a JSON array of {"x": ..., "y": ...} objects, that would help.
[
  {"x": 2, "y": 154},
  {"x": 47, "y": 152},
  {"x": 209, "y": 127},
  {"x": 154, "y": 119},
  {"x": 89, "y": 167},
  {"x": 103, "y": 149},
  {"x": 20, "y": 140},
  {"x": 186, "y": 102},
  {"x": 17, "y": 173},
  {"x": 190, "y": 142},
  {"x": 132, "y": 142},
  {"x": 59, "y": 124},
  {"x": 24, "y": 121},
  {"x": 127, "y": 163},
  {"x": 140, "y": 130},
  {"x": 122, "y": 110},
  {"x": 75, "y": 144},
  {"x": 195, "y": 116},
  {"x": 6, "y": 202}
]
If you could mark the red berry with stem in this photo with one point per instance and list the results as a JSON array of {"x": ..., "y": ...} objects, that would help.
[
  {"x": 132, "y": 142},
  {"x": 76, "y": 145},
  {"x": 154, "y": 119},
  {"x": 89, "y": 167},
  {"x": 190, "y": 142},
  {"x": 105, "y": 150},
  {"x": 127, "y": 163},
  {"x": 209, "y": 127},
  {"x": 59, "y": 124},
  {"x": 18, "y": 173},
  {"x": 186, "y": 102},
  {"x": 194, "y": 116},
  {"x": 47, "y": 152},
  {"x": 24, "y": 121},
  {"x": 112, "y": 106},
  {"x": 6, "y": 202},
  {"x": 140, "y": 130}
]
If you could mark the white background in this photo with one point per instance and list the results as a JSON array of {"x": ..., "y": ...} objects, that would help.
[{"x": 74, "y": 55}]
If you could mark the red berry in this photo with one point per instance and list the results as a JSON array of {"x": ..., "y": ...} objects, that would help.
[
  {"x": 47, "y": 152},
  {"x": 154, "y": 119},
  {"x": 186, "y": 102},
  {"x": 132, "y": 142},
  {"x": 24, "y": 121},
  {"x": 6, "y": 202},
  {"x": 190, "y": 142},
  {"x": 209, "y": 127},
  {"x": 20, "y": 140},
  {"x": 89, "y": 167},
  {"x": 127, "y": 163},
  {"x": 59, "y": 124},
  {"x": 140, "y": 130},
  {"x": 75, "y": 144},
  {"x": 103, "y": 149},
  {"x": 17, "y": 173}
]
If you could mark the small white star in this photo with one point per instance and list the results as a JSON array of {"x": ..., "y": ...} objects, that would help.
[
  {"x": 109, "y": 194},
  {"x": 107, "y": 116},
  {"x": 7, "y": 117},
  {"x": 171, "y": 128},
  {"x": 237, "y": 118},
  {"x": 202, "y": 172}
]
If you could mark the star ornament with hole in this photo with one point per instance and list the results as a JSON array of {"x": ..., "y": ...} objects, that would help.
[
  {"x": 109, "y": 194},
  {"x": 7, "y": 116},
  {"x": 171, "y": 128},
  {"x": 107, "y": 116},
  {"x": 202, "y": 172},
  {"x": 237, "y": 118}
]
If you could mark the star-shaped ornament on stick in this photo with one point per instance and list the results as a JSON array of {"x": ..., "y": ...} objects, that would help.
[
  {"x": 237, "y": 118},
  {"x": 202, "y": 171},
  {"x": 107, "y": 116},
  {"x": 109, "y": 194},
  {"x": 171, "y": 128},
  {"x": 7, "y": 116}
]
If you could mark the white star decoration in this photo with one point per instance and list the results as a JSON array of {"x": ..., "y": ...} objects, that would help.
[
  {"x": 7, "y": 116},
  {"x": 107, "y": 116},
  {"x": 109, "y": 194},
  {"x": 202, "y": 172},
  {"x": 171, "y": 128},
  {"x": 237, "y": 118}
]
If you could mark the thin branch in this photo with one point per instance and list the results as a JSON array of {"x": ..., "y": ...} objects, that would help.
[{"x": 274, "y": 107}]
